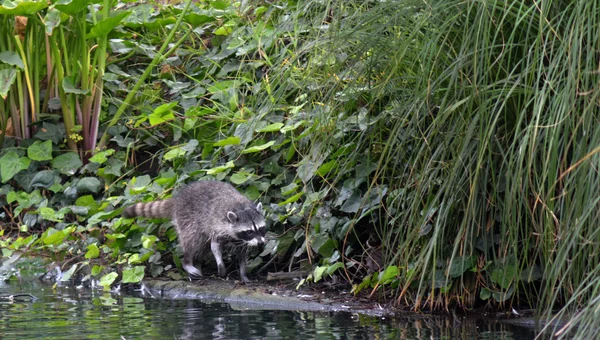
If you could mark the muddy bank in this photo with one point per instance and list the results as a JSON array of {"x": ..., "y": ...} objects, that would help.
[{"x": 262, "y": 296}]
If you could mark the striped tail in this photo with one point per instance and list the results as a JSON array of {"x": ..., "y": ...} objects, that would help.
[{"x": 156, "y": 209}]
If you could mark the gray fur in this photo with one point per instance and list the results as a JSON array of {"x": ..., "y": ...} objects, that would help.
[{"x": 209, "y": 213}]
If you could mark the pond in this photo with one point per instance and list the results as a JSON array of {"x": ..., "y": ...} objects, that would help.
[{"x": 69, "y": 313}]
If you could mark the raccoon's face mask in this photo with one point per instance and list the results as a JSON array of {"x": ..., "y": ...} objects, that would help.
[{"x": 249, "y": 225}]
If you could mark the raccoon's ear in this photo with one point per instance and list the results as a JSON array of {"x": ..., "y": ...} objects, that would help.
[
  {"x": 259, "y": 207},
  {"x": 232, "y": 217}
]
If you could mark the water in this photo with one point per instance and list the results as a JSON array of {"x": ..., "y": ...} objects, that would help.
[{"x": 69, "y": 313}]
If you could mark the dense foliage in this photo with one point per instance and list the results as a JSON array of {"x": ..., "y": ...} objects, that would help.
[{"x": 442, "y": 154}]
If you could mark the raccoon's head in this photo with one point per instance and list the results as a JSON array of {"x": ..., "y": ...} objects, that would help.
[{"x": 249, "y": 225}]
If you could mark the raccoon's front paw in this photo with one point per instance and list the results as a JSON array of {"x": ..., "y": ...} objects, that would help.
[
  {"x": 192, "y": 271},
  {"x": 222, "y": 270},
  {"x": 244, "y": 279}
]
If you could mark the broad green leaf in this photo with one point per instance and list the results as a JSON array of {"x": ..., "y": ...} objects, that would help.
[
  {"x": 461, "y": 264},
  {"x": 11, "y": 164},
  {"x": 133, "y": 275},
  {"x": 162, "y": 114},
  {"x": 174, "y": 153},
  {"x": 292, "y": 127},
  {"x": 40, "y": 151},
  {"x": 331, "y": 269},
  {"x": 258, "y": 148},
  {"x": 92, "y": 251},
  {"x": 96, "y": 269},
  {"x": 198, "y": 19},
  {"x": 69, "y": 86},
  {"x": 291, "y": 199},
  {"x": 271, "y": 127},
  {"x": 54, "y": 237},
  {"x": 485, "y": 293},
  {"x": 102, "y": 156},
  {"x": 66, "y": 276},
  {"x": 108, "y": 279},
  {"x": 318, "y": 273},
  {"x": 67, "y": 163},
  {"x": 89, "y": 184},
  {"x": 103, "y": 27},
  {"x": 51, "y": 20},
  {"x": 221, "y": 168},
  {"x": 148, "y": 241},
  {"x": 7, "y": 78},
  {"x": 240, "y": 177},
  {"x": 390, "y": 273},
  {"x": 24, "y": 8},
  {"x": 228, "y": 141},
  {"x": 12, "y": 58},
  {"x": 71, "y": 7}
]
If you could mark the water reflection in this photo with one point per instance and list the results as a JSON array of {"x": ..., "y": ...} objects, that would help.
[{"x": 69, "y": 313}]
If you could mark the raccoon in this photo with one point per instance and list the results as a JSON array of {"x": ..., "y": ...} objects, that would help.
[{"x": 209, "y": 212}]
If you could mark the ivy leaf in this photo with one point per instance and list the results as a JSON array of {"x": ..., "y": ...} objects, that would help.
[
  {"x": 258, "y": 148},
  {"x": 271, "y": 127},
  {"x": 40, "y": 151},
  {"x": 390, "y": 273},
  {"x": 108, "y": 279},
  {"x": 102, "y": 156},
  {"x": 67, "y": 163},
  {"x": 44, "y": 179},
  {"x": 228, "y": 141},
  {"x": 161, "y": 114},
  {"x": 133, "y": 275},
  {"x": 93, "y": 251},
  {"x": 11, "y": 164}
]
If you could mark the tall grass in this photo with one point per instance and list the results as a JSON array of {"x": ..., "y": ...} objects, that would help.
[{"x": 489, "y": 141}]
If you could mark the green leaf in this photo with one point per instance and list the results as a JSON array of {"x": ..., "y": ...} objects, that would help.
[
  {"x": 93, "y": 251},
  {"x": 66, "y": 276},
  {"x": 54, "y": 237},
  {"x": 7, "y": 78},
  {"x": 291, "y": 199},
  {"x": 292, "y": 127},
  {"x": 258, "y": 148},
  {"x": 485, "y": 293},
  {"x": 103, "y": 27},
  {"x": 89, "y": 184},
  {"x": 162, "y": 114},
  {"x": 221, "y": 168},
  {"x": 97, "y": 270},
  {"x": 40, "y": 151},
  {"x": 11, "y": 164},
  {"x": 71, "y": 7},
  {"x": 318, "y": 273},
  {"x": 461, "y": 264},
  {"x": 12, "y": 58},
  {"x": 174, "y": 153},
  {"x": 133, "y": 275},
  {"x": 228, "y": 141},
  {"x": 69, "y": 86},
  {"x": 108, "y": 279},
  {"x": 24, "y": 8},
  {"x": 271, "y": 127},
  {"x": 51, "y": 20},
  {"x": 67, "y": 163},
  {"x": 102, "y": 156},
  {"x": 389, "y": 274},
  {"x": 148, "y": 241},
  {"x": 240, "y": 177}
]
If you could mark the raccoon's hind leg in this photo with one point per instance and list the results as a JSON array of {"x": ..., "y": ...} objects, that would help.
[
  {"x": 191, "y": 249},
  {"x": 215, "y": 246}
]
